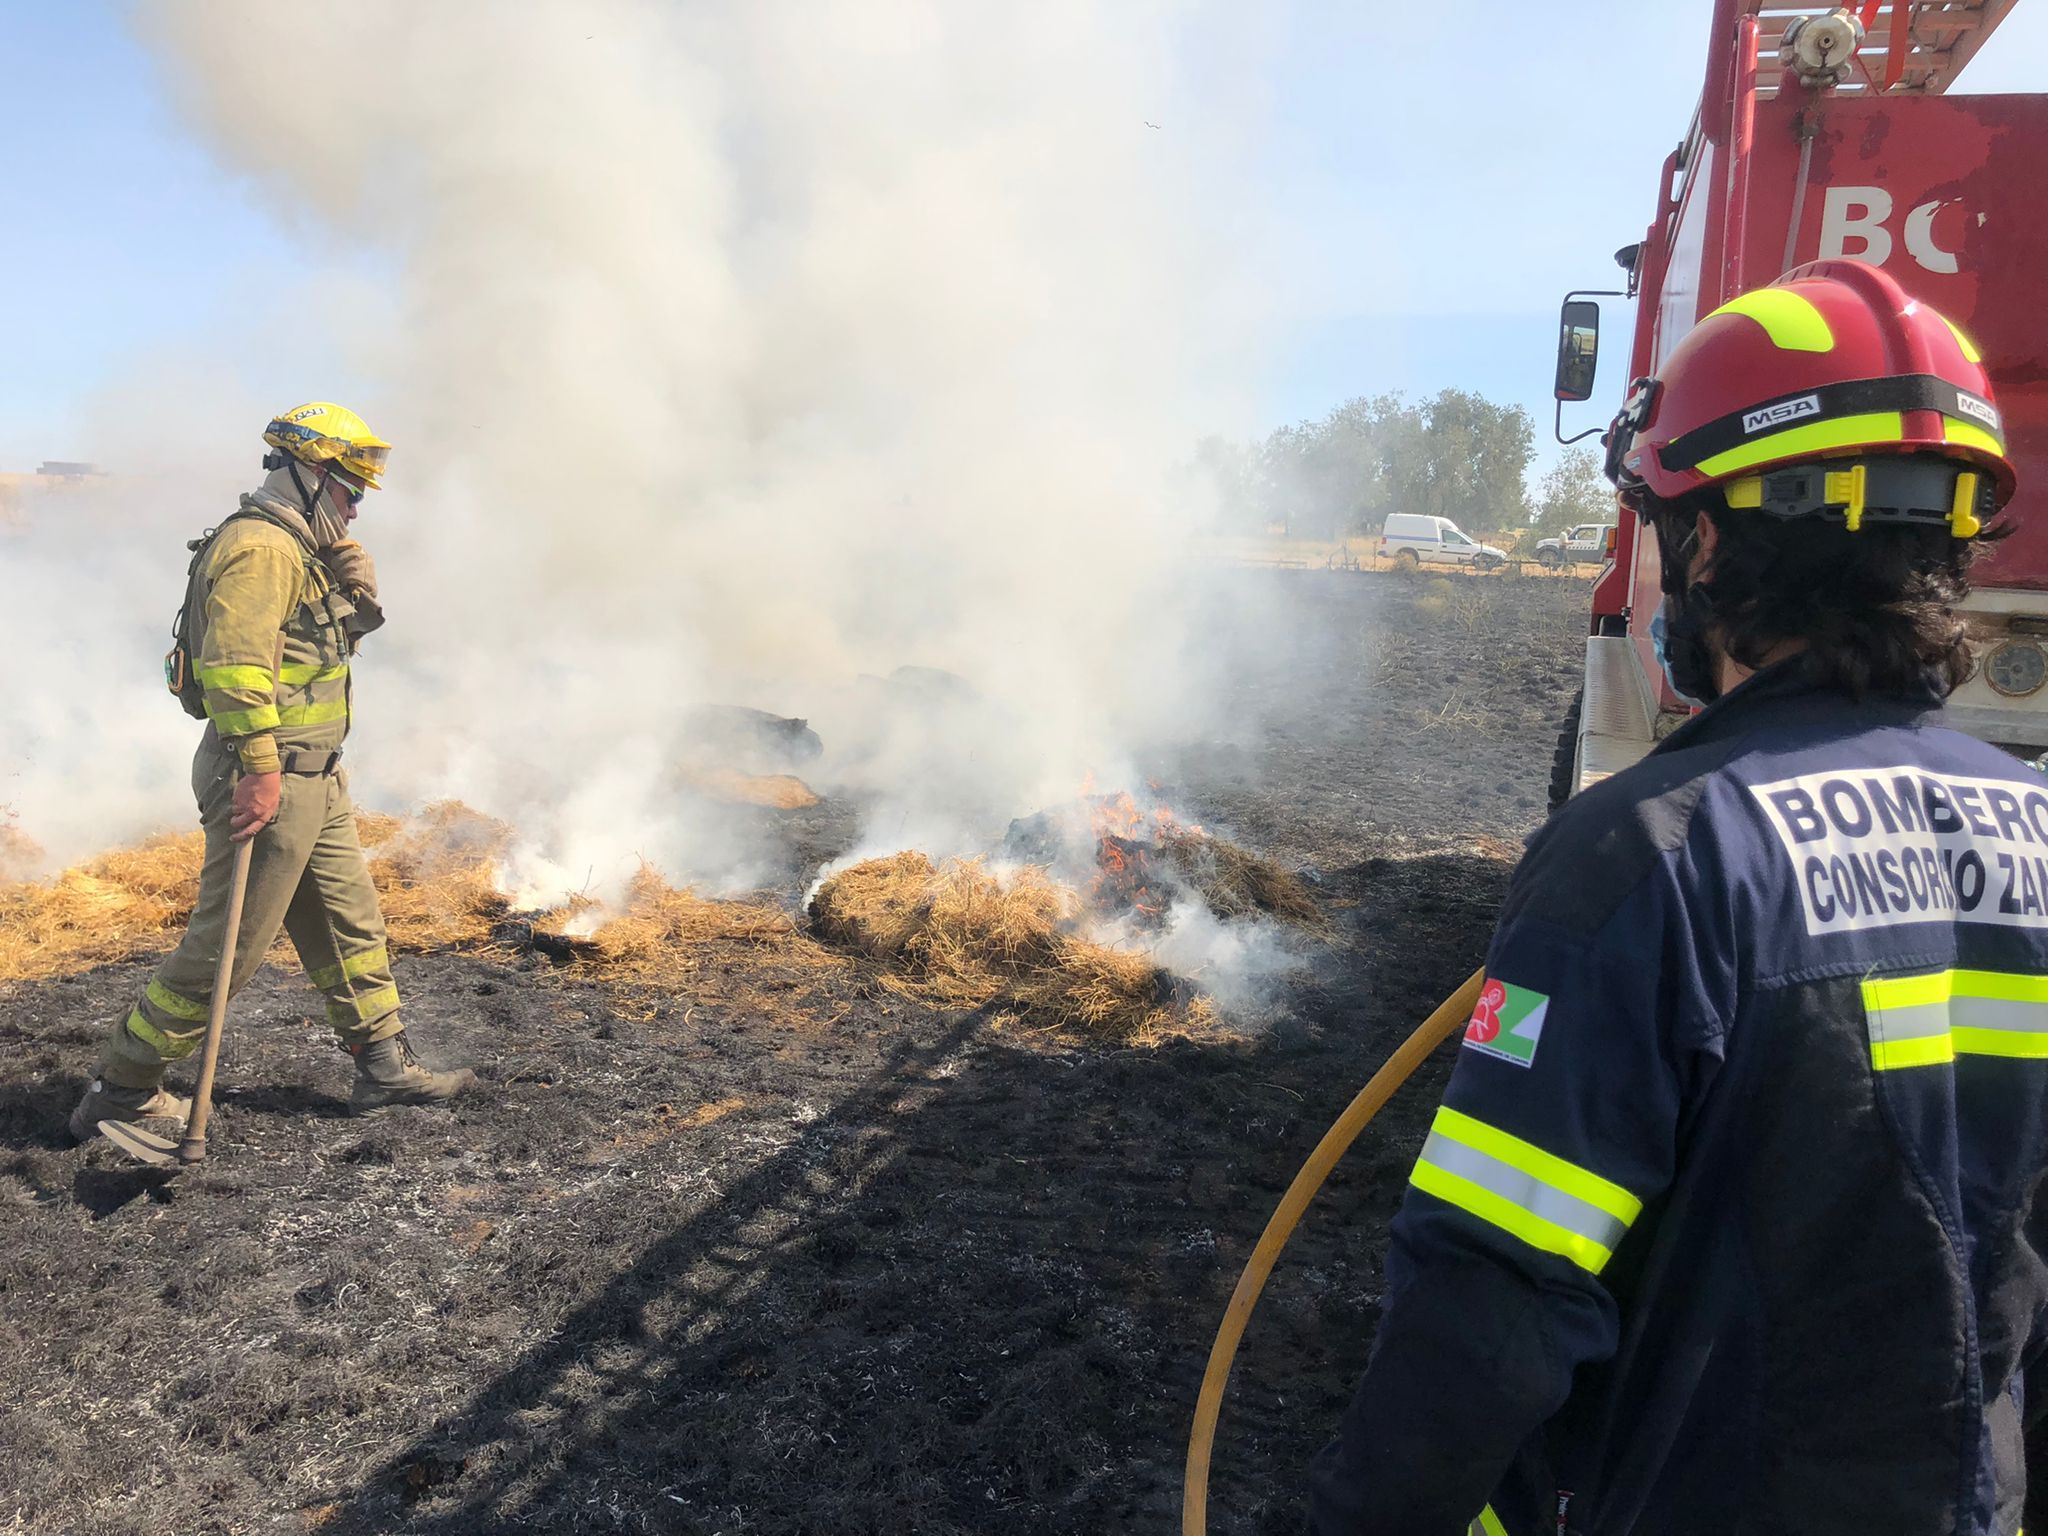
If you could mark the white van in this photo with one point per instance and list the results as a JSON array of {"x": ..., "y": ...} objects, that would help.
[{"x": 1410, "y": 538}]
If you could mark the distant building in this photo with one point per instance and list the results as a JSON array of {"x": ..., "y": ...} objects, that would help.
[{"x": 66, "y": 469}]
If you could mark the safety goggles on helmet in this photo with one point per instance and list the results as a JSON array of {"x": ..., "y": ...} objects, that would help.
[{"x": 324, "y": 434}]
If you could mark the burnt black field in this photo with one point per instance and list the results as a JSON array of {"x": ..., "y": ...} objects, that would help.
[{"x": 849, "y": 1264}]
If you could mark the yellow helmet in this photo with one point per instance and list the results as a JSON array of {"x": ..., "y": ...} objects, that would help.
[{"x": 325, "y": 433}]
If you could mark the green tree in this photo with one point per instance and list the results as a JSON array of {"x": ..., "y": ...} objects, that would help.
[
  {"x": 1456, "y": 455},
  {"x": 1575, "y": 490},
  {"x": 1467, "y": 461}
]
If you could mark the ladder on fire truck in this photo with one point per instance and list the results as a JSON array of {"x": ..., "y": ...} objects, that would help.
[{"x": 1909, "y": 49}]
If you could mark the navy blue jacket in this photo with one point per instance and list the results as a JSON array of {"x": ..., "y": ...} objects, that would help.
[{"x": 1728, "y": 1221}]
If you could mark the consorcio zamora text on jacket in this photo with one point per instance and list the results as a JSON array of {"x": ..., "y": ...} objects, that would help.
[{"x": 1875, "y": 847}]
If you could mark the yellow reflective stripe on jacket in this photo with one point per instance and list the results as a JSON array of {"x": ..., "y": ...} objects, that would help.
[
  {"x": 241, "y": 679},
  {"x": 1488, "y": 1524},
  {"x": 243, "y": 722},
  {"x": 1926, "y": 1020},
  {"x": 1790, "y": 319},
  {"x": 300, "y": 674},
  {"x": 1549, "y": 1203},
  {"x": 161, "y": 996},
  {"x": 1816, "y": 437},
  {"x": 350, "y": 968},
  {"x": 169, "y": 1046},
  {"x": 312, "y": 714}
]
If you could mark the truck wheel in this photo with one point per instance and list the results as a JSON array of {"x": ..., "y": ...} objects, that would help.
[
  {"x": 1484, "y": 562},
  {"x": 1567, "y": 753},
  {"x": 1407, "y": 560},
  {"x": 1551, "y": 557}
]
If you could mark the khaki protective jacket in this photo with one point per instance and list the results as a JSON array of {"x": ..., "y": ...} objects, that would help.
[{"x": 269, "y": 645}]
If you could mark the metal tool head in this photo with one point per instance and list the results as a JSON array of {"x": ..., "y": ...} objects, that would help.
[{"x": 146, "y": 1146}]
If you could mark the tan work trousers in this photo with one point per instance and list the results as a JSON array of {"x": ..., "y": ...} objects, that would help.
[{"x": 307, "y": 875}]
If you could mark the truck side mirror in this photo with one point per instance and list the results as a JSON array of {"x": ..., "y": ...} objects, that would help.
[{"x": 1578, "y": 349}]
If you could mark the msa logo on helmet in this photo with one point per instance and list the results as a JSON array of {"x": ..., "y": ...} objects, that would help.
[
  {"x": 1983, "y": 410},
  {"x": 1777, "y": 414}
]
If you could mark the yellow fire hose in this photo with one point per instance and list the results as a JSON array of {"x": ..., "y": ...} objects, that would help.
[{"x": 1433, "y": 1031}]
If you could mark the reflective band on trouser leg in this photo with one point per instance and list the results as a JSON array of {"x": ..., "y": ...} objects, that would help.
[
  {"x": 328, "y": 977},
  {"x": 349, "y": 1014},
  {"x": 1924, "y": 1021},
  {"x": 170, "y": 1044},
  {"x": 1549, "y": 1203},
  {"x": 1488, "y": 1524},
  {"x": 163, "y": 998}
]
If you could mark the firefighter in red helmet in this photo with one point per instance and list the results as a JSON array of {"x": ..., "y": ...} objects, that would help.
[{"x": 1729, "y": 1219}]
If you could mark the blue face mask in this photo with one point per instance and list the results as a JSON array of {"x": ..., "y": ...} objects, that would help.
[{"x": 1660, "y": 635}]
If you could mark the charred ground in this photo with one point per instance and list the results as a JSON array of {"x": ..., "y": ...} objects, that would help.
[{"x": 781, "y": 1250}]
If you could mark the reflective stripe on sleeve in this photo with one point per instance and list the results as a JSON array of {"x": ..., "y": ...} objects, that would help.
[
  {"x": 300, "y": 673},
  {"x": 1550, "y": 1204},
  {"x": 1924, "y": 1021},
  {"x": 241, "y": 679},
  {"x": 1488, "y": 1524},
  {"x": 312, "y": 714},
  {"x": 242, "y": 722},
  {"x": 350, "y": 968}
]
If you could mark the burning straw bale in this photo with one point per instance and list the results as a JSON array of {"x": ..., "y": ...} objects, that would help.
[
  {"x": 771, "y": 791},
  {"x": 1235, "y": 882},
  {"x": 21, "y": 856},
  {"x": 436, "y": 874},
  {"x": 962, "y": 937},
  {"x": 109, "y": 908},
  {"x": 661, "y": 931}
]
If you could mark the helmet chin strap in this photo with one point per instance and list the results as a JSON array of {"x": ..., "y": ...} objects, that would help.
[{"x": 328, "y": 527}]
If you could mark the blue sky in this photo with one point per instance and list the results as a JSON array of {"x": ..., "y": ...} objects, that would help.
[{"x": 1428, "y": 193}]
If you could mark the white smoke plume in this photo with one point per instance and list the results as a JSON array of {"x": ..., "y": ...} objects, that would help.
[{"x": 732, "y": 353}]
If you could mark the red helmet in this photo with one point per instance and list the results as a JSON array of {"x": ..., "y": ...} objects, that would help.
[{"x": 1833, "y": 361}]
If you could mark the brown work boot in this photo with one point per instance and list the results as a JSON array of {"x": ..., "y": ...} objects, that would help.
[
  {"x": 388, "y": 1073},
  {"x": 152, "y": 1107}
]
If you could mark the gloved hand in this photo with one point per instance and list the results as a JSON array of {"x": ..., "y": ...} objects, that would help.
[
  {"x": 351, "y": 567},
  {"x": 257, "y": 797},
  {"x": 369, "y": 615}
]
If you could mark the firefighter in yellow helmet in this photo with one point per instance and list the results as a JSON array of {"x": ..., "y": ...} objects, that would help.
[{"x": 276, "y": 600}]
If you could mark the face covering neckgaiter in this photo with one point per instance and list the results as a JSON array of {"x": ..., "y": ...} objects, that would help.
[
  {"x": 1678, "y": 634},
  {"x": 1678, "y": 630},
  {"x": 328, "y": 525}
]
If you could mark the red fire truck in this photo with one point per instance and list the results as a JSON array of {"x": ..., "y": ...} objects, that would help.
[{"x": 1830, "y": 134}]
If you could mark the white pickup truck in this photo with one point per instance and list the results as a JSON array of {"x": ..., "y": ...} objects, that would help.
[{"x": 1587, "y": 542}]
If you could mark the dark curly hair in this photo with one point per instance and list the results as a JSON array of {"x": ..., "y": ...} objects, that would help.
[{"x": 1875, "y": 608}]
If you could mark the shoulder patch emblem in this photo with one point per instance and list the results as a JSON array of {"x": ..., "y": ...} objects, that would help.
[{"x": 1507, "y": 1022}]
